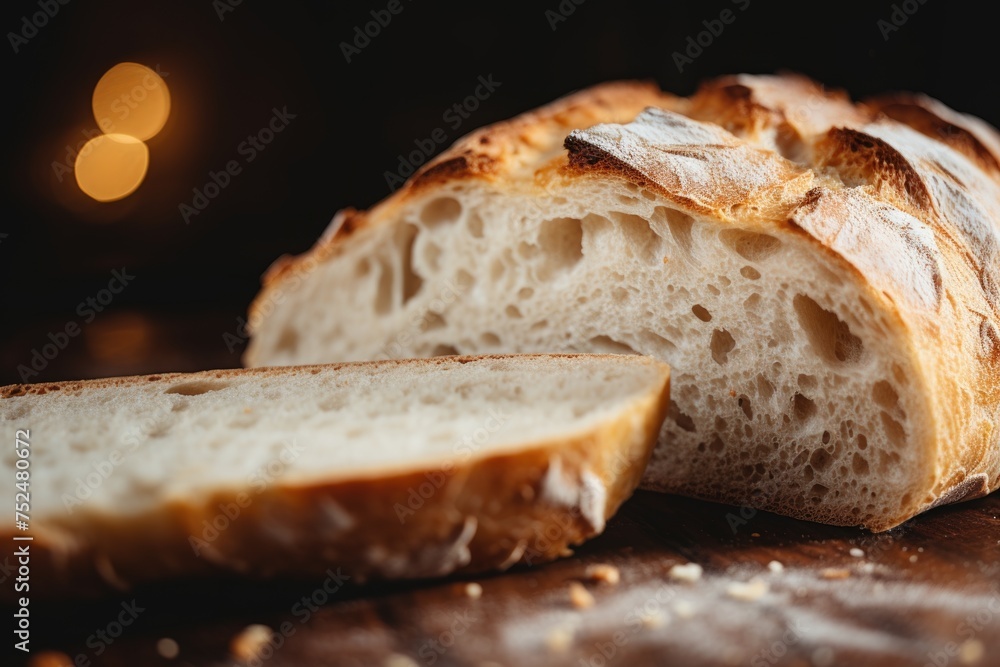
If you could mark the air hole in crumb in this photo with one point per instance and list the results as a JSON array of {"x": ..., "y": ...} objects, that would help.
[
  {"x": 475, "y": 225},
  {"x": 680, "y": 227},
  {"x": 862, "y": 442},
  {"x": 893, "y": 430},
  {"x": 750, "y": 273},
  {"x": 561, "y": 243},
  {"x": 443, "y": 351},
  {"x": 490, "y": 338},
  {"x": 717, "y": 445},
  {"x": 749, "y": 245},
  {"x": 363, "y": 268},
  {"x": 525, "y": 293},
  {"x": 442, "y": 209},
  {"x": 722, "y": 344},
  {"x": 540, "y": 324},
  {"x": 431, "y": 321},
  {"x": 884, "y": 395},
  {"x": 383, "y": 295},
  {"x": 807, "y": 382},
  {"x": 682, "y": 420},
  {"x": 412, "y": 282},
  {"x": 641, "y": 240},
  {"x": 820, "y": 460},
  {"x": 803, "y": 408},
  {"x": 288, "y": 341},
  {"x": 746, "y": 406},
  {"x": 826, "y": 437},
  {"x": 859, "y": 464},
  {"x": 764, "y": 387},
  {"x": 513, "y": 312},
  {"x": 701, "y": 313},
  {"x": 609, "y": 345},
  {"x": 464, "y": 279},
  {"x": 196, "y": 388},
  {"x": 752, "y": 302},
  {"x": 829, "y": 335}
]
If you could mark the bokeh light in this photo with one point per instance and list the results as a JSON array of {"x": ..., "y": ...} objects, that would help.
[
  {"x": 111, "y": 166},
  {"x": 131, "y": 99}
]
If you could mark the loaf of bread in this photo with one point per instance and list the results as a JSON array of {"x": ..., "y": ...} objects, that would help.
[
  {"x": 822, "y": 276},
  {"x": 393, "y": 469}
]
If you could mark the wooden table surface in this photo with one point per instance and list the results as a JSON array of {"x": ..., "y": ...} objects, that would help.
[{"x": 926, "y": 593}]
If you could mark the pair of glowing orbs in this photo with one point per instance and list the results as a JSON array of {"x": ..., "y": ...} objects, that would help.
[{"x": 131, "y": 104}]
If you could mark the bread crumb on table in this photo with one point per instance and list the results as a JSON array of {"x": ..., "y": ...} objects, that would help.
[
  {"x": 473, "y": 590},
  {"x": 683, "y": 609},
  {"x": 250, "y": 641},
  {"x": 971, "y": 652},
  {"x": 167, "y": 648},
  {"x": 775, "y": 566},
  {"x": 604, "y": 573},
  {"x": 748, "y": 591},
  {"x": 579, "y": 596},
  {"x": 689, "y": 572},
  {"x": 835, "y": 573},
  {"x": 559, "y": 639},
  {"x": 856, "y": 552},
  {"x": 399, "y": 660}
]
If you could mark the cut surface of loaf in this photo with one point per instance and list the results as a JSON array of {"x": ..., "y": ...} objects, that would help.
[
  {"x": 393, "y": 469},
  {"x": 822, "y": 276}
]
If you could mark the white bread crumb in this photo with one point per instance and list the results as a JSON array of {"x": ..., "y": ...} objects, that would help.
[
  {"x": 559, "y": 639},
  {"x": 250, "y": 641},
  {"x": 775, "y": 566},
  {"x": 399, "y": 660},
  {"x": 835, "y": 573},
  {"x": 579, "y": 596},
  {"x": 167, "y": 648},
  {"x": 748, "y": 591},
  {"x": 604, "y": 573},
  {"x": 652, "y": 620},
  {"x": 683, "y": 609},
  {"x": 474, "y": 590},
  {"x": 857, "y": 553},
  {"x": 971, "y": 651},
  {"x": 690, "y": 572}
]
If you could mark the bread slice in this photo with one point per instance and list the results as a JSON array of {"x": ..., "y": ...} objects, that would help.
[
  {"x": 393, "y": 469},
  {"x": 823, "y": 278}
]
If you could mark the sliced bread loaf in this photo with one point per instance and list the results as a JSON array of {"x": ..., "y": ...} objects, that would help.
[{"x": 393, "y": 469}]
